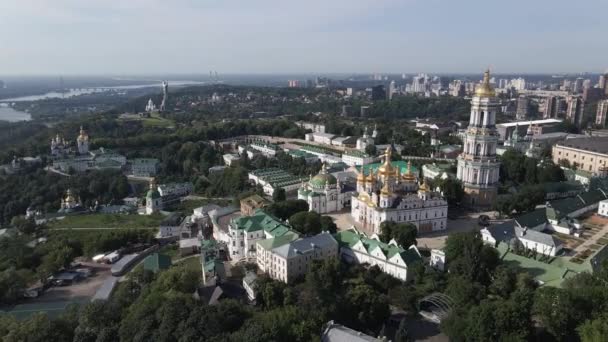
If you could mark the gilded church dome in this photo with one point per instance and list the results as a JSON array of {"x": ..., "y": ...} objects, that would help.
[
  {"x": 409, "y": 175},
  {"x": 386, "y": 169},
  {"x": 83, "y": 135},
  {"x": 485, "y": 89}
]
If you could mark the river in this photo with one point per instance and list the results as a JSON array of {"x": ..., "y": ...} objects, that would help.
[{"x": 9, "y": 114}]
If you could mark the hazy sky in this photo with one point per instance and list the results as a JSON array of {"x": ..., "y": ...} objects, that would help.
[{"x": 283, "y": 36}]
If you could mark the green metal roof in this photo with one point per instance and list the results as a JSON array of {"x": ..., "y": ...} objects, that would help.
[
  {"x": 261, "y": 221},
  {"x": 320, "y": 180},
  {"x": 269, "y": 244},
  {"x": 156, "y": 262},
  {"x": 350, "y": 238},
  {"x": 401, "y": 164}
]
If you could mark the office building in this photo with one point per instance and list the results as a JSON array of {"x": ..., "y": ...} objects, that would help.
[
  {"x": 378, "y": 93},
  {"x": 602, "y": 111},
  {"x": 551, "y": 107},
  {"x": 575, "y": 111},
  {"x": 522, "y": 108},
  {"x": 587, "y": 154}
]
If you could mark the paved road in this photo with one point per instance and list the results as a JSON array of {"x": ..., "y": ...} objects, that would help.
[
  {"x": 196, "y": 197},
  {"x": 100, "y": 228}
]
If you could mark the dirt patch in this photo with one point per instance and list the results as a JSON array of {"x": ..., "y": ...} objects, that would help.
[
  {"x": 596, "y": 220},
  {"x": 84, "y": 288}
]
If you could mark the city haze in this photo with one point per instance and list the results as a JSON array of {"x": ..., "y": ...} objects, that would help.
[{"x": 270, "y": 36}]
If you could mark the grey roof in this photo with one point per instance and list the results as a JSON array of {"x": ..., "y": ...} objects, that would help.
[
  {"x": 250, "y": 278},
  {"x": 540, "y": 237},
  {"x": 305, "y": 245},
  {"x": 592, "y": 144},
  {"x": 106, "y": 288},
  {"x": 506, "y": 231},
  {"x": 533, "y": 218},
  {"x": 339, "y": 333}
]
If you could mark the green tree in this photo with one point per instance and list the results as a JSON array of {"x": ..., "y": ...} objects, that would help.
[
  {"x": 401, "y": 335},
  {"x": 278, "y": 195},
  {"x": 306, "y": 222},
  {"x": 284, "y": 210},
  {"x": 452, "y": 190},
  {"x": 328, "y": 225},
  {"x": 594, "y": 330},
  {"x": 470, "y": 258}
]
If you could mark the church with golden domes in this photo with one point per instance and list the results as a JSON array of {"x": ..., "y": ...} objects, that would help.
[
  {"x": 385, "y": 194},
  {"x": 83, "y": 159}
]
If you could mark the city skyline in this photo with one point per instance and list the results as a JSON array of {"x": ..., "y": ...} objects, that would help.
[{"x": 274, "y": 37}]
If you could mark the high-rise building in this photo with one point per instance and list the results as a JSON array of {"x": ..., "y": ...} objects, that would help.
[
  {"x": 604, "y": 83},
  {"x": 293, "y": 84},
  {"x": 419, "y": 83},
  {"x": 518, "y": 83},
  {"x": 391, "y": 90},
  {"x": 551, "y": 107},
  {"x": 575, "y": 110},
  {"x": 503, "y": 83},
  {"x": 347, "y": 110},
  {"x": 378, "y": 93},
  {"x": 522, "y": 108},
  {"x": 478, "y": 168},
  {"x": 578, "y": 85},
  {"x": 592, "y": 94},
  {"x": 602, "y": 112}
]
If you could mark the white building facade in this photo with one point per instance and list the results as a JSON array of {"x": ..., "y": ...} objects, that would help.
[
  {"x": 386, "y": 195},
  {"x": 324, "y": 193},
  {"x": 478, "y": 168}
]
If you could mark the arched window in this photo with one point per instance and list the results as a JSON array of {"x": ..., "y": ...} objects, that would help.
[
  {"x": 478, "y": 149},
  {"x": 483, "y": 114}
]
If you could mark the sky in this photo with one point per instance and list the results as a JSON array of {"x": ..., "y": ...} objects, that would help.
[{"x": 94, "y": 37}]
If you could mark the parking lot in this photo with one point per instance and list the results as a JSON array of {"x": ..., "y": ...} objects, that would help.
[{"x": 82, "y": 288}]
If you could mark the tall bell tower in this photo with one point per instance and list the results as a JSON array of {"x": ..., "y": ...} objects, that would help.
[{"x": 478, "y": 168}]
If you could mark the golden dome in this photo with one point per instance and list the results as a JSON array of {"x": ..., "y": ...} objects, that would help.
[
  {"x": 83, "y": 134},
  {"x": 386, "y": 168},
  {"x": 409, "y": 176},
  {"x": 423, "y": 187},
  {"x": 485, "y": 89},
  {"x": 361, "y": 177},
  {"x": 364, "y": 197},
  {"x": 69, "y": 197},
  {"x": 385, "y": 190},
  {"x": 370, "y": 177}
]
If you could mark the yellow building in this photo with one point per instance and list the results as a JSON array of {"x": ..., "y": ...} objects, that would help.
[{"x": 587, "y": 154}]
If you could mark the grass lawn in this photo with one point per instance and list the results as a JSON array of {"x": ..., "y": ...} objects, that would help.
[
  {"x": 157, "y": 121},
  {"x": 108, "y": 221},
  {"x": 170, "y": 250}
]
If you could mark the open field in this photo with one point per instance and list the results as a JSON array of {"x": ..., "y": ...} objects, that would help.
[
  {"x": 153, "y": 121},
  {"x": 100, "y": 221}
]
